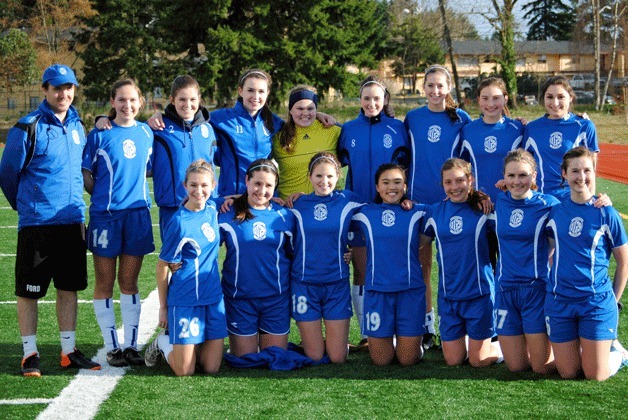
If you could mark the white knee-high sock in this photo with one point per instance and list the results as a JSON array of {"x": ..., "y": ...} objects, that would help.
[
  {"x": 357, "y": 297},
  {"x": 614, "y": 362},
  {"x": 103, "y": 308},
  {"x": 130, "y": 307}
]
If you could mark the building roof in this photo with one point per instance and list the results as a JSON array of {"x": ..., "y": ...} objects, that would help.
[{"x": 526, "y": 47}]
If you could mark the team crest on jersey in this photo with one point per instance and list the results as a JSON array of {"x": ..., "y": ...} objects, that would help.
[
  {"x": 259, "y": 231},
  {"x": 128, "y": 147},
  {"x": 388, "y": 218},
  {"x": 455, "y": 225},
  {"x": 575, "y": 227},
  {"x": 387, "y": 141},
  {"x": 490, "y": 144},
  {"x": 208, "y": 232},
  {"x": 75, "y": 137},
  {"x": 204, "y": 131},
  {"x": 556, "y": 140},
  {"x": 320, "y": 212},
  {"x": 516, "y": 218},
  {"x": 433, "y": 133}
]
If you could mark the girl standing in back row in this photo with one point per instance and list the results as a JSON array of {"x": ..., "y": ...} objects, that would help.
[
  {"x": 548, "y": 138},
  {"x": 375, "y": 137},
  {"x": 120, "y": 231},
  {"x": 434, "y": 132}
]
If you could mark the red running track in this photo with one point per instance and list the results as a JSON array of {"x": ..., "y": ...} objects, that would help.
[{"x": 613, "y": 162}]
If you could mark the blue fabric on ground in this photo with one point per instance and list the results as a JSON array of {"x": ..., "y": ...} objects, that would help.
[{"x": 275, "y": 358}]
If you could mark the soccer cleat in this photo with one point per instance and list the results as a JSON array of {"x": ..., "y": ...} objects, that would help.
[
  {"x": 430, "y": 341},
  {"x": 76, "y": 359},
  {"x": 115, "y": 358},
  {"x": 133, "y": 357},
  {"x": 153, "y": 353},
  {"x": 30, "y": 366}
]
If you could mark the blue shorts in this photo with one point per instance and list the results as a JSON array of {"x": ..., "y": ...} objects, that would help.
[
  {"x": 457, "y": 318},
  {"x": 197, "y": 324},
  {"x": 312, "y": 302},
  {"x": 520, "y": 310},
  {"x": 593, "y": 319},
  {"x": 394, "y": 313},
  {"x": 270, "y": 315},
  {"x": 129, "y": 233}
]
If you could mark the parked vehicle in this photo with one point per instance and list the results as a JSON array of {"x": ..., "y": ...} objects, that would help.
[
  {"x": 584, "y": 97},
  {"x": 530, "y": 100}
]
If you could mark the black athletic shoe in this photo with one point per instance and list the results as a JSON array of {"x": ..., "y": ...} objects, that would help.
[
  {"x": 76, "y": 359},
  {"x": 30, "y": 366},
  {"x": 431, "y": 341},
  {"x": 115, "y": 358},
  {"x": 133, "y": 357}
]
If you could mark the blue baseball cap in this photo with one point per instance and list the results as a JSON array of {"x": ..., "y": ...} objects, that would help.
[{"x": 59, "y": 74}]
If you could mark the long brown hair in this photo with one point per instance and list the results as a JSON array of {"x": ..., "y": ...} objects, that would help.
[
  {"x": 475, "y": 198},
  {"x": 267, "y": 114},
  {"x": 387, "y": 109},
  {"x": 498, "y": 83},
  {"x": 288, "y": 132},
  {"x": 450, "y": 104},
  {"x": 523, "y": 156},
  {"x": 241, "y": 204},
  {"x": 114, "y": 90},
  {"x": 560, "y": 81}
]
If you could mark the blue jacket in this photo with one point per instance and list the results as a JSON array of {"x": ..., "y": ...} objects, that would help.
[
  {"x": 365, "y": 144},
  {"x": 174, "y": 149},
  {"x": 242, "y": 139},
  {"x": 45, "y": 186}
]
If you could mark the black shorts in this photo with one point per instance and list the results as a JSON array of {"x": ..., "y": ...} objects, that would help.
[{"x": 44, "y": 253}]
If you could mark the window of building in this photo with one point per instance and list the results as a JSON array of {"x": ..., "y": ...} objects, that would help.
[
  {"x": 33, "y": 102},
  {"x": 542, "y": 59},
  {"x": 11, "y": 103}
]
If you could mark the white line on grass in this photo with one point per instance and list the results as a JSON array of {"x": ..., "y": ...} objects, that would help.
[
  {"x": 24, "y": 401},
  {"x": 89, "y": 389},
  {"x": 48, "y": 302}
]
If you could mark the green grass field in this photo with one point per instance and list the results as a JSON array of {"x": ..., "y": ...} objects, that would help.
[{"x": 356, "y": 389}]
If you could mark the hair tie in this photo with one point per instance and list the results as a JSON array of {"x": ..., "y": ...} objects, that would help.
[
  {"x": 433, "y": 69},
  {"x": 321, "y": 158},
  {"x": 300, "y": 95},
  {"x": 262, "y": 165},
  {"x": 249, "y": 73},
  {"x": 372, "y": 82}
]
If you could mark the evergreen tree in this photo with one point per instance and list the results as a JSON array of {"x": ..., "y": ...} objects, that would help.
[{"x": 549, "y": 20}]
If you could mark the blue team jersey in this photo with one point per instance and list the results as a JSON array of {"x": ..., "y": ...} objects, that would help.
[
  {"x": 367, "y": 143},
  {"x": 548, "y": 140},
  {"x": 118, "y": 160},
  {"x": 322, "y": 236},
  {"x": 258, "y": 253},
  {"x": 485, "y": 146},
  {"x": 464, "y": 267},
  {"x": 174, "y": 149},
  {"x": 434, "y": 139},
  {"x": 242, "y": 139},
  {"x": 523, "y": 247},
  {"x": 392, "y": 245},
  {"x": 192, "y": 238},
  {"x": 584, "y": 238}
]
